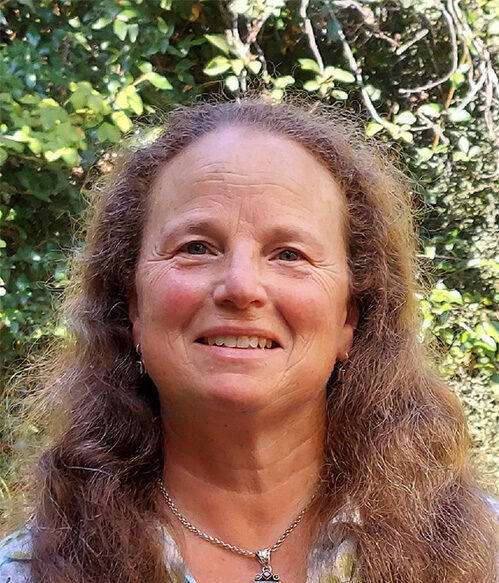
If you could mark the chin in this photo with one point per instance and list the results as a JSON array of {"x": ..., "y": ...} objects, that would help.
[{"x": 236, "y": 393}]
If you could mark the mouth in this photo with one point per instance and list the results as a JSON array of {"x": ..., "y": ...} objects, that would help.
[{"x": 242, "y": 342}]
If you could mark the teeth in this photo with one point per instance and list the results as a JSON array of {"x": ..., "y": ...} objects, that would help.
[{"x": 239, "y": 341}]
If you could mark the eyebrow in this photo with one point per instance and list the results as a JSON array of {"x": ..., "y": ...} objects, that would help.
[{"x": 186, "y": 226}]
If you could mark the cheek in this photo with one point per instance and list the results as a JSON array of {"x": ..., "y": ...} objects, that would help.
[
  {"x": 314, "y": 309},
  {"x": 173, "y": 298}
]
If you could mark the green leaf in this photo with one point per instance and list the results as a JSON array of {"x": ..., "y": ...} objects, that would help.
[
  {"x": 232, "y": 83},
  {"x": 95, "y": 102},
  {"x": 458, "y": 115},
  {"x": 492, "y": 329},
  {"x": 135, "y": 102},
  {"x": 343, "y": 76},
  {"x": 133, "y": 31},
  {"x": 101, "y": 23},
  {"x": 405, "y": 118},
  {"x": 463, "y": 144},
  {"x": 128, "y": 98},
  {"x": 3, "y": 156},
  {"x": 255, "y": 66},
  {"x": 219, "y": 41},
  {"x": 338, "y": 94},
  {"x": 159, "y": 81},
  {"x": 282, "y": 82},
  {"x": 50, "y": 114},
  {"x": 431, "y": 110},
  {"x": 445, "y": 295},
  {"x": 237, "y": 66},
  {"x": 21, "y": 136},
  {"x": 373, "y": 92},
  {"x": 309, "y": 65},
  {"x": 424, "y": 154},
  {"x": 407, "y": 137},
  {"x": 120, "y": 29},
  {"x": 429, "y": 251},
  {"x": 70, "y": 156},
  {"x": 122, "y": 121},
  {"x": 217, "y": 66},
  {"x": 373, "y": 128},
  {"x": 457, "y": 79},
  {"x": 163, "y": 27},
  {"x": 121, "y": 101},
  {"x": 108, "y": 133},
  {"x": 486, "y": 342},
  {"x": 311, "y": 86},
  {"x": 35, "y": 145}
]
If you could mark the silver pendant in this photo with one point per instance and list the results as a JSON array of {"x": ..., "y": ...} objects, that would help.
[{"x": 263, "y": 557}]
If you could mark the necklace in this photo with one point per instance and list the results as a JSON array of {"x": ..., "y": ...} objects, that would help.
[{"x": 262, "y": 555}]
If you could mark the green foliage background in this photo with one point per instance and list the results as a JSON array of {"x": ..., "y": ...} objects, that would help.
[{"x": 75, "y": 76}]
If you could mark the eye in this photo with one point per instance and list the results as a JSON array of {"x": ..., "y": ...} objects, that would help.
[
  {"x": 290, "y": 255},
  {"x": 194, "y": 248}
]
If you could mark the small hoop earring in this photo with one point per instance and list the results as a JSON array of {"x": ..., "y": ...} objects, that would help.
[
  {"x": 340, "y": 374},
  {"x": 140, "y": 363}
]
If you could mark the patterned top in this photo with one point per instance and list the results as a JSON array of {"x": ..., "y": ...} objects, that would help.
[{"x": 339, "y": 565}]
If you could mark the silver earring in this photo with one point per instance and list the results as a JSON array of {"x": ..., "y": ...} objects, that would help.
[
  {"x": 142, "y": 369},
  {"x": 341, "y": 370}
]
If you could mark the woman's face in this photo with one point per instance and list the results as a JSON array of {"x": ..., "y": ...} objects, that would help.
[{"x": 243, "y": 245}]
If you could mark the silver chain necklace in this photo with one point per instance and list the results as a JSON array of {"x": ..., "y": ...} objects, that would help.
[{"x": 262, "y": 555}]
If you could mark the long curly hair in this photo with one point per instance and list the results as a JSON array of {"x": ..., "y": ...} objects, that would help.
[{"x": 397, "y": 441}]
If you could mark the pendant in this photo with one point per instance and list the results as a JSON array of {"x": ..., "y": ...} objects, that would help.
[{"x": 266, "y": 575}]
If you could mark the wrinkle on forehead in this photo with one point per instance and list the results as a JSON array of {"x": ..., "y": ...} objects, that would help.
[{"x": 238, "y": 161}]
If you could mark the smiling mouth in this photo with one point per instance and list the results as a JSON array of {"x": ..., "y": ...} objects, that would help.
[{"x": 243, "y": 342}]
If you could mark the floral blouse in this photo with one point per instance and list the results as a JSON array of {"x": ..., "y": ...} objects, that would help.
[{"x": 340, "y": 565}]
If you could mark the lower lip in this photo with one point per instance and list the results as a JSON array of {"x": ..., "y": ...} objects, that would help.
[{"x": 237, "y": 353}]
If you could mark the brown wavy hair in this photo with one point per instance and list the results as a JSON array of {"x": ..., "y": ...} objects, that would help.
[{"x": 397, "y": 441}]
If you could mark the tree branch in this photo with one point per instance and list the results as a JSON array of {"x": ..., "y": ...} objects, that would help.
[
  {"x": 368, "y": 19},
  {"x": 309, "y": 31},
  {"x": 447, "y": 76},
  {"x": 355, "y": 68}
]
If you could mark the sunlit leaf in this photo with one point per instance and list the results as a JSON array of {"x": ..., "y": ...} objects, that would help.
[
  {"x": 219, "y": 41},
  {"x": 458, "y": 115},
  {"x": 309, "y": 65},
  {"x": 217, "y": 66},
  {"x": 405, "y": 118},
  {"x": 120, "y": 29},
  {"x": 232, "y": 83}
]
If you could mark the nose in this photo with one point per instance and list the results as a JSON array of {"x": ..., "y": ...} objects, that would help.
[{"x": 241, "y": 284}]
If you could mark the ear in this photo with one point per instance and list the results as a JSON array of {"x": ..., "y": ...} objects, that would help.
[
  {"x": 133, "y": 314},
  {"x": 351, "y": 322}
]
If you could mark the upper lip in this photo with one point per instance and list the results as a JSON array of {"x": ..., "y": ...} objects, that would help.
[{"x": 239, "y": 331}]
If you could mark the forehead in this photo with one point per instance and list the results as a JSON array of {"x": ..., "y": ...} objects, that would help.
[{"x": 240, "y": 166}]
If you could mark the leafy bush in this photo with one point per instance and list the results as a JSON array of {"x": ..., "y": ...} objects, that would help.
[{"x": 76, "y": 75}]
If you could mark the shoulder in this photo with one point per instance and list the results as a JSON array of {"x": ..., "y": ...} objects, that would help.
[{"x": 15, "y": 555}]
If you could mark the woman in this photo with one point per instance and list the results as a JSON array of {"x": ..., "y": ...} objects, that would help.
[{"x": 245, "y": 397}]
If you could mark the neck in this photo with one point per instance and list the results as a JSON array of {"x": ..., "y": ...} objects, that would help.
[{"x": 258, "y": 471}]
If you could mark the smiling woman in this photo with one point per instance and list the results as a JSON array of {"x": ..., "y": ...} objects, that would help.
[
  {"x": 240, "y": 243},
  {"x": 244, "y": 388}
]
